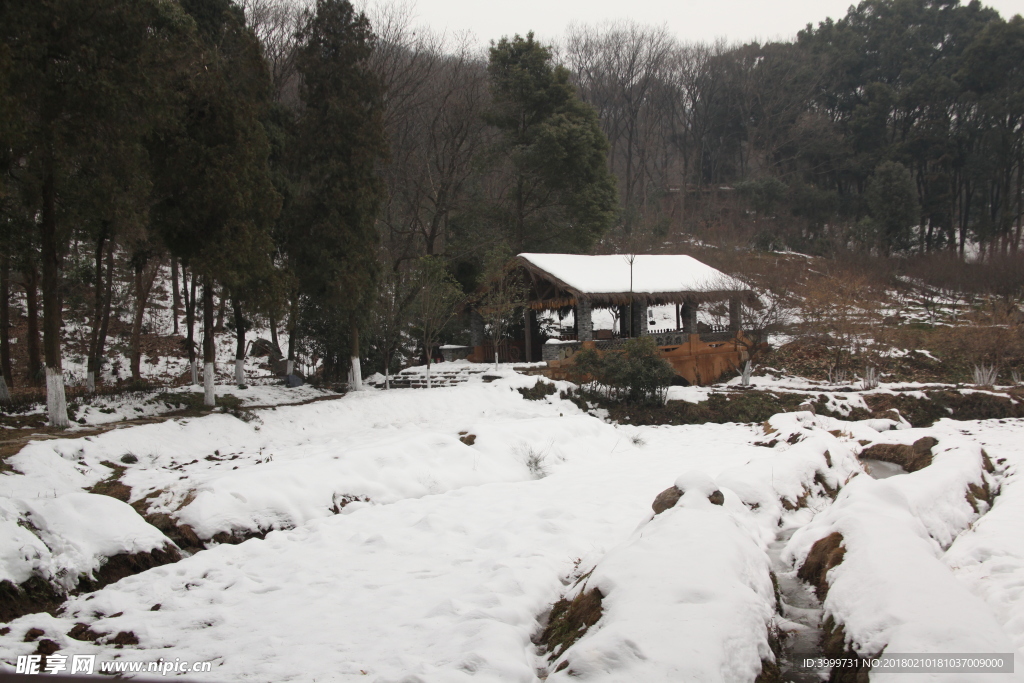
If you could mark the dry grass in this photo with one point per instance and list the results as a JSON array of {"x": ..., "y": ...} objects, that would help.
[{"x": 570, "y": 620}]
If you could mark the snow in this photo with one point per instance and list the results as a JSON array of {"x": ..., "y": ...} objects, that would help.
[
  {"x": 892, "y": 592},
  {"x": 649, "y": 273},
  {"x": 445, "y": 570},
  {"x": 687, "y": 597},
  {"x": 73, "y": 535},
  {"x": 989, "y": 557}
]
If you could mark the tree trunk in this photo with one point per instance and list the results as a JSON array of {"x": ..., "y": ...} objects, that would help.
[
  {"x": 189, "y": 295},
  {"x": 272, "y": 319},
  {"x": 56, "y": 405},
  {"x": 219, "y": 327},
  {"x": 108, "y": 296},
  {"x": 175, "y": 294},
  {"x": 293, "y": 323},
  {"x": 5, "y": 321},
  {"x": 356, "y": 380},
  {"x": 240, "y": 343},
  {"x": 97, "y": 310},
  {"x": 143, "y": 286},
  {"x": 31, "y": 278},
  {"x": 209, "y": 350}
]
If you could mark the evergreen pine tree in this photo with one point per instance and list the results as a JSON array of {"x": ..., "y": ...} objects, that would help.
[
  {"x": 340, "y": 143},
  {"x": 81, "y": 82},
  {"x": 561, "y": 194},
  {"x": 217, "y": 201}
]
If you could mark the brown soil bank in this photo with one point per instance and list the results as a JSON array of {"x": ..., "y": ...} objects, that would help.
[
  {"x": 734, "y": 406},
  {"x": 38, "y": 595},
  {"x": 757, "y": 406},
  {"x": 924, "y": 412},
  {"x": 911, "y": 458},
  {"x": 825, "y": 554}
]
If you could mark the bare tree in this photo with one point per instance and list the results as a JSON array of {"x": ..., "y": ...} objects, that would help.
[
  {"x": 437, "y": 303},
  {"x": 503, "y": 296},
  {"x": 275, "y": 23},
  {"x": 435, "y": 91}
]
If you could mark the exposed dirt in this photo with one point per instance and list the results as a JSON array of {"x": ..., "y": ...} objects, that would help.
[
  {"x": 833, "y": 644},
  {"x": 924, "y": 412},
  {"x": 83, "y": 632},
  {"x": 826, "y": 553},
  {"x": 112, "y": 486},
  {"x": 121, "y": 565},
  {"x": 33, "y": 595},
  {"x": 910, "y": 457},
  {"x": 124, "y": 638}
]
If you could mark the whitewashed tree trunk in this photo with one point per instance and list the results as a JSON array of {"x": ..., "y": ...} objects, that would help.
[
  {"x": 289, "y": 367},
  {"x": 56, "y": 404},
  {"x": 209, "y": 397},
  {"x": 239, "y": 371},
  {"x": 90, "y": 381},
  {"x": 495, "y": 357},
  {"x": 387, "y": 378},
  {"x": 5, "y": 395},
  {"x": 195, "y": 373},
  {"x": 356, "y": 376},
  {"x": 428, "y": 373}
]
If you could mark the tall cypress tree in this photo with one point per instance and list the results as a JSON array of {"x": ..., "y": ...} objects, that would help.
[
  {"x": 561, "y": 194},
  {"x": 340, "y": 143},
  {"x": 216, "y": 198},
  {"x": 83, "y": 78}
]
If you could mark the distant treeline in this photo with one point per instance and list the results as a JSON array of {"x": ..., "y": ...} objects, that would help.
[{"x": 324, "y": 171}]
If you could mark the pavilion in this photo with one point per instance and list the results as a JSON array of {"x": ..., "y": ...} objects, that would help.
[{"x": 631, "y": 284}]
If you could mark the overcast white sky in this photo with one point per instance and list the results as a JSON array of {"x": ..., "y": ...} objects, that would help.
[{"x": 691, "y": 20}]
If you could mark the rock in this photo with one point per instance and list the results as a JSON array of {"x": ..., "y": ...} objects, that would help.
[
  {"x": 666, "y": 499},
  {"x": 717, "y": 497},
  {"x": 911, "y": 458}
]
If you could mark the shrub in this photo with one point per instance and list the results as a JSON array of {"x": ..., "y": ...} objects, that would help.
[{"x": 635, "y": 375}]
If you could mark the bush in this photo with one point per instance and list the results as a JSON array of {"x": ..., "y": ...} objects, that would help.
[{"x": 636, "y": 375}]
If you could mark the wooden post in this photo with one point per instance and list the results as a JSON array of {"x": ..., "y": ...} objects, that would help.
[{"x": 735, "y": 314}]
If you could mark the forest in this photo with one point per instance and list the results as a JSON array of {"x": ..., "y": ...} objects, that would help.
[{"x": 346, "y": 178}]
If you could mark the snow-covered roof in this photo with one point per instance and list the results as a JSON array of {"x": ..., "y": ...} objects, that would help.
[{"x": 655, "y": 277}]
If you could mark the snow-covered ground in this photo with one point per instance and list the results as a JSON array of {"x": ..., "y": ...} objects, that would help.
[{"x": 422, "y": 535}]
